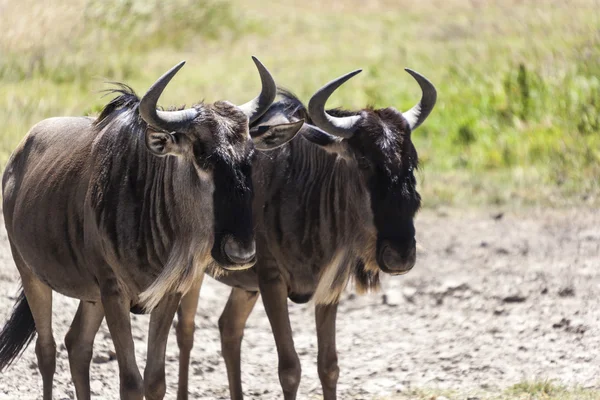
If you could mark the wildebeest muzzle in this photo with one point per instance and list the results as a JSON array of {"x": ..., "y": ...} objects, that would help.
[{"x": 397, "y": 258}]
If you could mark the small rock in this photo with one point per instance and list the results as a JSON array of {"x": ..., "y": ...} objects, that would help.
[
  {"x": 391, "y": 300},
  {"x": 409, "y": 294},
  {"x": 567, "y": 291},
  {"x": 562, "y": 323},
  {"x": 592, "y": 234},
  {"x": 96, "y": 387},
  {"x": 576, "y": 326},
  {"x": 514, "y": 298},
  {"x": 502, "y": 250},
  {"x": 100, "y": 359},
  {"x": 442, "y": 213},
  {"x": 544, "y": 291},
  {"x": 498, "y": 216},
  {"x": 499, "y": 311}
]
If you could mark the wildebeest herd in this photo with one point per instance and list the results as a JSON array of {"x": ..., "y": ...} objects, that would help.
[{"x": 127, "y": 211}]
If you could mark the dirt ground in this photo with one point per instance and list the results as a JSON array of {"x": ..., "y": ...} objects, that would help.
[{"x": 495, "y": 299}]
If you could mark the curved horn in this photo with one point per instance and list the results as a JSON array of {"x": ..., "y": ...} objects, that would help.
[
  {"x": 256, "y": 107},
  {"x": 418, "y": 114},
  {"x": 339, "y": 126},
  {"x": 164, "y": 120}
]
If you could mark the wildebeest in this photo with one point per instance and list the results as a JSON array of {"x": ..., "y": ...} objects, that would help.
[
  {"x": 124, "y": 212},
  {"x": 333, "y": 205}
]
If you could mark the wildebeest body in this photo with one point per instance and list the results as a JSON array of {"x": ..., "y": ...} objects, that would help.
[
  {"x": 114, "y": 194},
  {"x": 125, "y": 212},
  {"x": 322, "y": 225},
  {"x": 341, "y": 209}
]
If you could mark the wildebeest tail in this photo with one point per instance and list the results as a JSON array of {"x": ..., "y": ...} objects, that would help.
[{"x": 17, "y": 333}]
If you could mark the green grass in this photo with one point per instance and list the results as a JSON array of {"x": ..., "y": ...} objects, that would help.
[
  {"x": 518, "y": 114},
  {"x": 526, "y": 390}
]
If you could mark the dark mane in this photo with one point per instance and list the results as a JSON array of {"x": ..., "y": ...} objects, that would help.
[
  {"x": 126, "y": 100},
  {"x": 292, "y": 104}
]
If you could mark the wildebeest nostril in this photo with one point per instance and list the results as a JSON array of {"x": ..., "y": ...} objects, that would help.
[
  {"x": 237, "y": 253},
  {"x": 398, "y": 261},
  {"x": 390, "y": 257}
]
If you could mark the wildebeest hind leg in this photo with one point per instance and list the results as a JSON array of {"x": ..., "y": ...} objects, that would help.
[
  {"x": 161, "y": 320},
  {"x": 327, "y": 364},
  {"x": 274, "y": 292},
  {"x": 116, "y": 308},
  {"x": 185, "y": 335},
  {"x": 231, "y": 325},
  {"x": 79, "y": 342},
  {"x": 39, "y": 297}
]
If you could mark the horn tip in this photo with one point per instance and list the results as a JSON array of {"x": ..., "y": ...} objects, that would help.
[
  {"x": 349, "y": 75},
  {"x": 414, "y": 73},
  {"x": 257, "y": 61}
]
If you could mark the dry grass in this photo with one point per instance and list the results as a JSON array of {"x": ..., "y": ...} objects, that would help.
[{"x": 517, "y": 118}]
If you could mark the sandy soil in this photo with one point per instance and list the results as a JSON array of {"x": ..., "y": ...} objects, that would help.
[{"x": 494, "y": 299}]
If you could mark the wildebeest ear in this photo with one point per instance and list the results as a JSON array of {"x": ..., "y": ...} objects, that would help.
[
  {"x": 330, "y": 143},
  {"x": 161, "y": 143},
  {"x": 267, "y": 137}
]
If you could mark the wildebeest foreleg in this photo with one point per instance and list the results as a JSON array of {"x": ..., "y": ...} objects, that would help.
[
  {"x": 79, "y": 342},
  {"x": 39, "y": 297},
  {"x": 274, "y": 292},
  {"x": 116, "y": 307},
  {"x": 327, "y": 365},
  {"x": 185, "y": 335},
  {"x": 231, "y": 325},
  {"x": 161, "y": 320}
]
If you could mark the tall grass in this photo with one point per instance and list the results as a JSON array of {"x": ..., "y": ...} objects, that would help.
[{"x": 518, "y": 114}]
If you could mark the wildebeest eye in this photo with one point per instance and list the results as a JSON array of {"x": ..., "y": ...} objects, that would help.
[
  {"x": 202, "y": 155},
  {"x": 200, "y": 151},
  {"x": 363, "y": 163}
]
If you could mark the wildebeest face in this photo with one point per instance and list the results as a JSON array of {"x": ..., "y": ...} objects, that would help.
[
  {"x": 378, "y": 143},
  {"x": 384, "y": 153},
  {"x": 223, "y": 150},
  {"x": 219, "y": 145},
  {"x": 215, "y": 139}
]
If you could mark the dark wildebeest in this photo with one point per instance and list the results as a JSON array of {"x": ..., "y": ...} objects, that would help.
[
  {"x": 94, "y": 211},
  {"x": 335, "y": 204}
]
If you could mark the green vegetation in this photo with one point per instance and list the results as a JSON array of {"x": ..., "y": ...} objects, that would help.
[
  {"x": 518, "y": 114},
  {"x": 526, "y": 390}
]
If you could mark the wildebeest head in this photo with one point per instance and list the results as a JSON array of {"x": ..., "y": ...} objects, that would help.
[
  {"x": 379, "y": 142},
  {"x": 215, "y": 138}
]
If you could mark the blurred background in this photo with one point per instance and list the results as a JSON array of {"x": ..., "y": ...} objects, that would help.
[
  {"x": 518, "y": 114},
  {"x": 503, "y": 303}
]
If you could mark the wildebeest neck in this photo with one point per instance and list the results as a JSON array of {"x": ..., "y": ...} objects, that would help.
[
  {"x": 154, "y": 211},
  {"x": 314, "y": 204}
]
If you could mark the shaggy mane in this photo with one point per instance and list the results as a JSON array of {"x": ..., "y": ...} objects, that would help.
[{"x": 126, "y": 100}]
